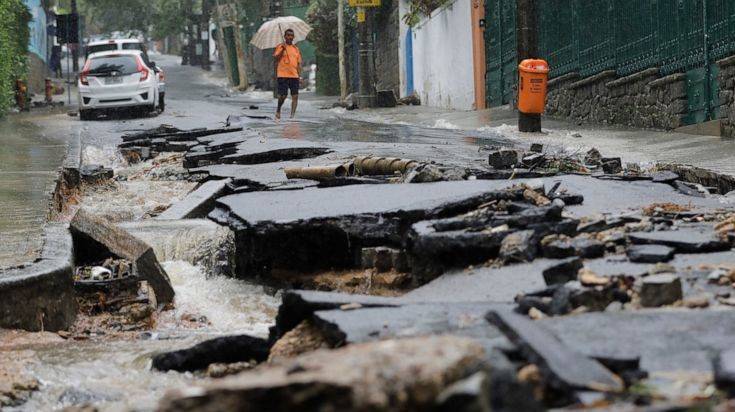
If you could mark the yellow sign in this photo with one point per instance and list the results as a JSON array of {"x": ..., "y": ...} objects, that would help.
[
  {"x": 364, "y": 3},
  {"x": 361, "y": 15}
]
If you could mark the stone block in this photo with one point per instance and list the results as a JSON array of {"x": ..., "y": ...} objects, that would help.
[
  {"x": 503, "y": 159},
  {"x": 659, "y": 290}
]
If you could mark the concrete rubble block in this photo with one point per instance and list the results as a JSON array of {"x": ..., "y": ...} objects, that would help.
[
  {"x": 226, "y": 349},
  {"x": 95, "y": 239},
  {"x": 562, "y": 271},
  {"x": 406, "y": 374},
  {"x": 698, "y": 239},
  {"x": 724, "y": 368},
  {"x": 198, "y": 203},
  {"x": 40, "y": 296},
  {"x": 650, "y": 253},
  {"x": 588, "y": 248},
  {"x": 563, "y": 368},
  {"x": 431, "y": 252},
  {"x": 503, "y": 159},
  {"x": 659, "y": 290},
  {"x": 518, "y": 247},
  {"x": 309, "y": 230},
  {"x": 557, "y": 247}
]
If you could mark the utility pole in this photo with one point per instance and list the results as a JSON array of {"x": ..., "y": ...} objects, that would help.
[
  {"x": 224, "y": 53},
  {"x": 204, "y": 29},
  {"x": 240, "y": 55},
  {"x": 341, "y": 49},
  {"x": 75, "y": 48},
  {"x": 366, "y": 97},
  {"x": 527, "y": 48}
]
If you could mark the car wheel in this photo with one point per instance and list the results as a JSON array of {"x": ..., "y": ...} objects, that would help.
[{"x": 162, "y": 102}]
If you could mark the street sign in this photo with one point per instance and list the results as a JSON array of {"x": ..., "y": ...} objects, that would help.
[{"x": 364, "y": 3}]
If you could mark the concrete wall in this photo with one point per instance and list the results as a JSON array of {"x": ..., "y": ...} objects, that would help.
[{"x": 442, "y": 57}]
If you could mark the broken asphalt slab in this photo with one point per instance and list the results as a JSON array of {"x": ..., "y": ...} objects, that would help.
[
  {"x": 198, "y": 203},
  {"x": 321, "y": 228},
  {"x": 666, "y": 340},
  {"x": 95, "y": 239},
  {"x": 379, "y": 323},
  {"x": 484, "y": 284},
  {"x": 564, "y": 368},
  {"x": 694, "y": 239}
]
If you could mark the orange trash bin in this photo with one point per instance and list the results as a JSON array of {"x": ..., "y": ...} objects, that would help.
[{"x": 533, "y": 74}]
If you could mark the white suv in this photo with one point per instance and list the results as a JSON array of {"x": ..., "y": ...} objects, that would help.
[
  {"x": 117, "y": 79},
  {"x": 114, "y": 44}
]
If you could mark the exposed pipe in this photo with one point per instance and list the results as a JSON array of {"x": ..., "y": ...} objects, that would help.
[
  {"x": 373, "y": 165},
  {"x": 319, "y": 172}
]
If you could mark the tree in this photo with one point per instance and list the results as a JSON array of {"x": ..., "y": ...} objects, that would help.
[{"x": 114, "y": 15}]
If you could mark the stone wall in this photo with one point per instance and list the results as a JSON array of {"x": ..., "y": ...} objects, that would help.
[
  {"x": 387, "y": 38},
  {"x": 726, "y": 79},
  {"x": 643, "y": 99}
]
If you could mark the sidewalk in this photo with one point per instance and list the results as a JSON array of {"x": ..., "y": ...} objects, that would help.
[{"x": 633, "y": 145}]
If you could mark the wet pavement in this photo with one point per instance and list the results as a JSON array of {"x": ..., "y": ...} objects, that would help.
[
  {"x": 30, "y": 159},
  {"x": 113, "y": 371}
]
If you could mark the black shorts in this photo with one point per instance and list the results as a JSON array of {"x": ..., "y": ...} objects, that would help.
[{"x": 288, "y": 83}]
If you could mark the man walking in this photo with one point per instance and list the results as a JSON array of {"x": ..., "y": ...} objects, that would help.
[{"x": 288, "y": 71}]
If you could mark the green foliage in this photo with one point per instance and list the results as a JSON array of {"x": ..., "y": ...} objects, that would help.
[
  {"x": 155, "y": 18},
  {"x": 420, "y": 8},
  {"x": 322, "y": 16},
  {"x": 116, "y": 15},
  {"x": 14, "y": 35}
]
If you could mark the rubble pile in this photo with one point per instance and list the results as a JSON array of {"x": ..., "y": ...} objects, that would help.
[{"x": 534, "y": 280}]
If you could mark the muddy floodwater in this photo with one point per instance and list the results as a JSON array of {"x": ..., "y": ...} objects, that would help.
[
  {"x": 29, "y": 162},
  {"x": 114, "y": 374}
]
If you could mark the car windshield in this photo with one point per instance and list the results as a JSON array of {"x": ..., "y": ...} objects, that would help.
[
  {"x": 100, "y": 48},
  {"x": 113, "y": 65},
  {"x": 133, "y": 46}
]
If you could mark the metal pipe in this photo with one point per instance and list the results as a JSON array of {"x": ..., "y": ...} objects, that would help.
[{"x": 316, "y": 172}]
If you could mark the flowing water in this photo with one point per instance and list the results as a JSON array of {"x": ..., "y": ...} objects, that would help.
[{"x": 115, "y": 375}]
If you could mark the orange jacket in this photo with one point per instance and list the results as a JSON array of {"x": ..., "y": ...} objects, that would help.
[{"x": 289, "y": 60}]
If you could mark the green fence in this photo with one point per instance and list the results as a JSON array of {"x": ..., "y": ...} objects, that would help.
[{"x": 590, "y": 36}]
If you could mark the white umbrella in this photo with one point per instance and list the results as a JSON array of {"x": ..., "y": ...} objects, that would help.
[{"x": 270, "y": 34}]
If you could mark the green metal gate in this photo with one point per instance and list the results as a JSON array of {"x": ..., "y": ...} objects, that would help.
[
  {"x": 590, "y": 36},
  {"x": 500, "y": 38}
]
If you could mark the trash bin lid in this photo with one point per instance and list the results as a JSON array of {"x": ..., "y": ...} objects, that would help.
[{"x": 534, "y": 66}]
